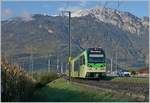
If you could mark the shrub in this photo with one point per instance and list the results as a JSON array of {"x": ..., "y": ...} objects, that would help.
[
  {"x": 133, "y": 72},
  {"x": 44, "y": 77},
  {"x": 17, "y": 85}
]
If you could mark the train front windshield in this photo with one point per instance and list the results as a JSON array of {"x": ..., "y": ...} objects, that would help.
[{"x": 96, "y": 58}]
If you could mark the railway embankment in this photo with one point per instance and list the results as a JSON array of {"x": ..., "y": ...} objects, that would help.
[
  {"x": 61, "y": 90},
  {"x": 133, "y": 87}
]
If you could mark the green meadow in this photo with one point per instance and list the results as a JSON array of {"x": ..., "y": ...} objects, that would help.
[{"x": 61, "y": 90}]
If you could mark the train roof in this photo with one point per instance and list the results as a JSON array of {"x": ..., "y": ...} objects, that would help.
[{"x": 96, "y": 49}]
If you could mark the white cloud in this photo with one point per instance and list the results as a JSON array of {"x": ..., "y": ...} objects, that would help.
[
  {"x": 7, "y": 12},
  {"x": 72, "y": 9},
  {"x": 83, "y": 2},
  {"x": 61, "y": 9},
  {"x": 26, "y": 16}
]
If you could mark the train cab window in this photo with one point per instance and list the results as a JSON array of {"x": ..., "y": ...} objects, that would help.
[{"x": 82, "y": 60}]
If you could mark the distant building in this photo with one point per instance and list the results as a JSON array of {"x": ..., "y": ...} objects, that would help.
[{"x": 144, "y": 72}]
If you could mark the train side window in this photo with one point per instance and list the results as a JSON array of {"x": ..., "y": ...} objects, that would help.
[{"x": 82, "y": 60}]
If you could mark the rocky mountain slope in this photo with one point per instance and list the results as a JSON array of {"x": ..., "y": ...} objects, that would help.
[
  {"x": 120, "y": 33},
  {"x": 123, "y": 20}
]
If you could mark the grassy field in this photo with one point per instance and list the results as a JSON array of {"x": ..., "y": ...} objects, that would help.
[
  {"x": 61, "y": 90},
  {"x": 139, "y": 80},
  {"x": 131, "y": 80}
]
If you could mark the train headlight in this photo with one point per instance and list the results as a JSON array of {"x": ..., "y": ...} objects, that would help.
[
  {"x": 89, "y": 65},
  {"x": 103, "y": 65}
]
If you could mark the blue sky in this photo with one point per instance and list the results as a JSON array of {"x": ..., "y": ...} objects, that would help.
[{"x": 25, "y": 8}]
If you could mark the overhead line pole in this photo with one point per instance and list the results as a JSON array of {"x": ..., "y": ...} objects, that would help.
[
  {"x": 57, "y": 62},
  {"x": 49, "y": 62},
  {"x": 69, "y": 42},
  {"x": 31, "y": 60},
  {"x": 111, "y": 61},
  {"x": 69, "y": 45}
]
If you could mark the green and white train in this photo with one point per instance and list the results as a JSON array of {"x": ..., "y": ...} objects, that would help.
[{"x": 92, "y": 64}]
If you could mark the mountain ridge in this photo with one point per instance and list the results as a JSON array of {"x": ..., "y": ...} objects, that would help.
[
  {"x": 115, "y": 17},
  {"x": 49, "y": 35}
]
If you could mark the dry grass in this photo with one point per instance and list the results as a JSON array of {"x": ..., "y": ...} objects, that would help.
[{"x": 17, "y": 85}]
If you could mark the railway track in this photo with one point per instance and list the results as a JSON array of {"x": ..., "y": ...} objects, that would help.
[{"x": 129, "y": 88}]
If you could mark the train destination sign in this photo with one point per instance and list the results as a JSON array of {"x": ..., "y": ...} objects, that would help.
[{"x": 96, "y": 55}]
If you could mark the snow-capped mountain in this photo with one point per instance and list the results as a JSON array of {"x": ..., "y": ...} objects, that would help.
[
  {"x": 123, "y": 20},
  {"x": 107, "y": 28}
]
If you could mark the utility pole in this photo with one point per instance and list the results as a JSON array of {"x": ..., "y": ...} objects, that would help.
[
  {"x": 61, "y": 68},
  {"x": 31, "y": 61},
  {"x": 69, "y": 32},
  {"x": 69, "y": 47},
  {"x": 57, "y": 64},
  {"x": 117, "y": 51},
  {"x": 49, "y": 62},
  {"x": 116, "y": 60},
  {"x": 111, "y": 60}
]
